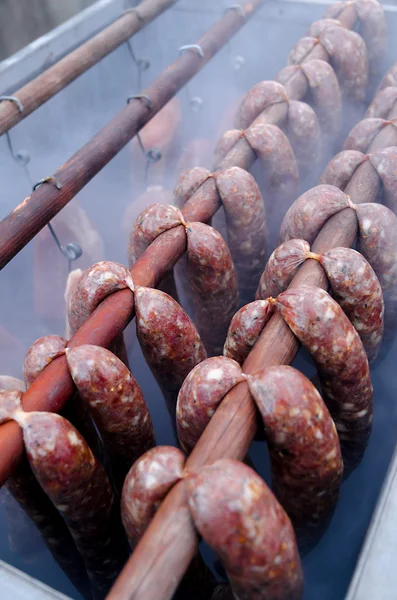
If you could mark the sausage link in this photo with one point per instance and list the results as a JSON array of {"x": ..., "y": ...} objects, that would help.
[
  {"x": 246, "y": 226},
  {"x": 382, "y": 104},
  {"x": 305, "y": 455},
  {"x": 318, "y": 27},
  {"x": 304, "y": 133},
  {"x": 70, "y": 288},
  {"x": 213, "y": 284},
  {"x": 260, "y": 96},
  {"x": 281, "y": 268},
  {"x": 188, "y": 184},
  {"x": 349, "y": 58},
  {"x": 362, "y": 134},
  {"x": 11, "y": 383},
  {"x": 200, "y": 395},
  {"x": 116, "y": 402},
  {"x": 152, "y": 195},
  {"x": 226, "y": 143},
  {"x": 148, "y": 481},
  {"x": 325, "y": 92},
  {"x": 301, "y": 49},
  {"x": 310, "y": 211},
  {"x": 390, "y": 79},
  {"x": 321, "y": 325},
  {"x": 238, "y": 516},
  {"x": 378, "y": 243},
  {"x": 76, "y": 484},
  {"x": 170, "y": 342},
  {"x": 287, "y": 77},
  {"x": 385, "y": 163},
  {"x": 95, "y": 284},
  {"x": 39, "y": 355},
  {"x": 245, "y": 328},
  {"x": 357, "y": 290},
  {"x": 341, "y": 168}
]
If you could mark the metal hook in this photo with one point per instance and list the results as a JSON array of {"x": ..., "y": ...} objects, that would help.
[
  {"x": 237, "y": 7},
  {"x": 194, "y": 47},
  {"x": 22, "y": 157},
  {"x": 135, "y": 11},
  {"x": 195, "y": 102},
  {"x": 72, "y": 251},
  {"x": 153, "y": 155},
  {"x": 15, "y": 100},
  {"x": 142, "y": 64},
  {"x": 141, "y": 97}
]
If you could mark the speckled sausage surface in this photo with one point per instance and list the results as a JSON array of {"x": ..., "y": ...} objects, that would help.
[
  {"x": 382, "y": 104},
  {"x": 385, "y": 163},
  {"x": 146, "y": 485},
  {"x": 200, "y": 395},
  {"x": 301, "y": 50},
  {"x": 226, "y": 143},
  {"x": 349, "y": 58},
  {"x": 362, "y": 134},
  {"x": 281, "y": 268},
  {"x": 246, "y": 226},
  {"x": 321, "y": 325},
  {"x": 305, "y": 455},
  {"x": 169, "y": 340},
  {"x": 259, "y": 97},
  {"x": 77, "y": 485},
  {"x": 318, "y": 27},
  {"x": 286, "y": 75},
  {"x": 188, "y": 184},
  {"x": 245, "y": 328},
  {"x": 213, "y": 284},
  {"x": 304, "y": 134},
  {"x": 378, "y": 243},
  {"x": 325, "y": 92},
  {"x": 239, "y": 517},
  {"x": 357, "y": 289},
  {"x": 11, "y": 383},
  {"x": 390, "y": 79},
  {"x": 341, "y": 168},
  {"x": 310, "y": 211},
  {"x": 116, "y": 403},
  {"x": 40, "y": 354}
]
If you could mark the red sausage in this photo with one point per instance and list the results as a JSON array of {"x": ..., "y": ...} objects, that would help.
[
  {"x": 310, "y": 211},
  {"x": 321, "y": 325},
  {"x": 116, "y": 402},
  {"x": 245, "y": 328},
  {"x": 341, "y": 168},
  {"x": 225, "y": 143},
  {"x": 304, "y": 134},
  {"x": 200, "y": 395},
  {"x": 306, "y": 461},
  {"x": 382, "y": 104},
  {"x": 213, "y": 284},
  {"x": 188, "y": 184},
  {"x": 385, "y": 163},
  {"x": 362, "y": 134},
  {"x": 281, "y": 268},
  {"x": 318, "y": 27},
  {"x": 325, "y": 92},
  {"x": 238, "y": 516},
  {"x": 301, "y": 50},
  {"x": 259, "y": 97}
]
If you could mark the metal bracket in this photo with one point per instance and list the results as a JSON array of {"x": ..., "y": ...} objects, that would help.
[
  {"x": 141, "y": 97},
  {"x": 194, "y": 47},
  {"x": 48, "y": 179},
  {"x": 15, "y": 100}
]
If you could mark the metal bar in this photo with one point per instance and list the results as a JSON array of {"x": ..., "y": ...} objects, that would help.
[
  {"x": 26, "y": 220},
  {"x": 53, "y": 80}
]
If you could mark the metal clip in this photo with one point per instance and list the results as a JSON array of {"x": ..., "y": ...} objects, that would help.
[
  {"x": 141, "y": 97},
  {"x": 237, "y": 7},
  {"x": 15, "y": 100},
  {"x": 48, "y": 180},
  {"x": 135, "y": 11},
  {"x": 195, "y": 102}
]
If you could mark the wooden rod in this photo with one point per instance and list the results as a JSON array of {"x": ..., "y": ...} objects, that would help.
[
  {"x": 35, "y": 93},
  {"x": 29, "y": 217}
]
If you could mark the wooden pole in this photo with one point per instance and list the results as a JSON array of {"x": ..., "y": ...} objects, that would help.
[{"x": 35, "y": 93}]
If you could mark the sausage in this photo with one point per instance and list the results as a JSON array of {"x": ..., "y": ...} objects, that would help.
[
  {"x": 188, "y": 184},
  {"x": 281, "y": 268},
  {"x": 318, "y": 27},
  {"x": 372, "y": 27},
  {"x": 148, "y": 482},
  {"x": 378, "y": 243},
  {"x": 25, "y": 490},
  {"x": 321, "y": 325},
  {"x": 76, "y": 484},
  {"x": 349, "y": 58},
  {"x": 213, "y": 284},
  {"x": 304, "y": 449},
  {"x": 341, "y": 168},
  {"x": 200, "y": 395},
  {"x": 310, "y": 211},
  {"x": 301, "y": 50},
  {"x": 286, "y": 75},
  {"x": 170, "y": 342},
  {"x": 304, "y": 134},
  {"x": 357, "y": 290},
  {"x": 246, "y": 226},
  {"x": 279, "y": 167},
  {"x": 96, "y": 283},
  {"x": 390, "y": 79},
  {"x": 238, "y": 516},
  {"x": 226, "y": 143},
  {"x": 116, "y": 403},
  {"x": 154, "y": 194},
  {"x": 382, "y": 104},
  {"x": 39, "y": 355},
  {"x": 245, "y": 328},
  {"x": 362, "y": 134},
  {"x": 260, "y": 96},
  {"x": 70, "y": 288},
  {"x": 325, "y": 93},
  {"x": 385, "y": 163}
]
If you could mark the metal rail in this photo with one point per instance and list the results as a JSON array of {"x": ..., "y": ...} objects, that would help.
[
  {"x": 35, "y": 93},
  {"x": 29, "y": 217}
]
